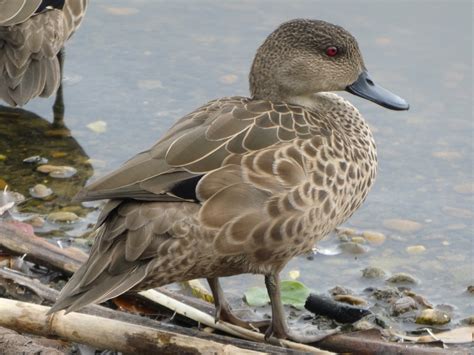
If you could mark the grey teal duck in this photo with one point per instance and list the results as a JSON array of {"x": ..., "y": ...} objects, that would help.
[
  {"x": 32, "y": 37},
  {"x": 241, "y": 185}
]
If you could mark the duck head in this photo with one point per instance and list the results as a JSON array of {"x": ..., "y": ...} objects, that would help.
[{"x": 303, "y": 57}]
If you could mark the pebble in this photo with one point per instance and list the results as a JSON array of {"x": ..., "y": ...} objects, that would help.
[
  {"x": 353, "y": 248},
  {"x": 228, "y": 79},
  {"x": 58, "y": 154},
  {"x": 458, "y": 212},
  {"x": 339, "y": 290},
  {"x": 433, "y": 317},
  {"x": 358, "y": 240},
  {"x": 3, "y": 157},
  {"x": 40, "y": 191},
  {"x": 402, "y": 225},
  {"x": 35, "y": 159},
  {"x": 468, "y": 320},
  {"x": 387, "y": 293},
  {"x": 55, "y": 171},
  {"x": 350, "y": 232},
  {"x": 466, "y": 188},
  {"x": 375, "y": 238},
  {"x": 401, "y": 278},
  {"x": 448, "y": 155},
  {"x": 36, "y": 222},
  {"x": 349, "y": 299},
  {"x": 372, "y": 272},
  {"x": 62, "y": 217},
  {"x": 363, "y": 325},
  {"x": 97, "y": 126},
  {"x": 415, "y": 249},
  {"x": 121, "y": 11},
  {"x": 403, "y": 305},
  {"x": 470, "y": 289},
  {"x": 3, "y": 183}
]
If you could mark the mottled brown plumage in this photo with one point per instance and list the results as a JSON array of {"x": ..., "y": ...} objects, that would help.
[
  {"x": 241, "y": 185},
  {"x": 29, "y": 63}
]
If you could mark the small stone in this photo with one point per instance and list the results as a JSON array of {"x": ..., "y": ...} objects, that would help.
[
  {"x": 149, "y": 84},
  {"x": 120, "y": 11},
  {"x": 458, "y": 212},
  {"x": 342, "y": 231},
  {"x": 466, "y": 188},
  {"x": 35, "y": 159},
  {"x": 97, "y": 126},
  {"x": 3, "y": 157},
  {"x": 401, "y": 278},
  {"x": 362, "y": 325},
  {"x": 375, "y": 238},
  {"x": 387, "y": 294},
  {"x": 339, "y": 290},
  {"x": 470, "y": 289},
  {"x": 353, "y": 248},
  {"x": 294, "y": 274},
  {"x": 468, "y": 320},
  {"x": 358, "y": 240},
  {"x": 433, "y": 317},
  {"x": 372, "y": 272},
  {"x": 3, "y": 183},
  {"x": 36, "y": 221},
  {"x": 62, "y": 217},
  {"x": 228, "y": 79},
  {"x": 403, "y": 305},
  {"x": 58, "y": 154},
  {"x": 349, "y": 299},
  {"x": 402, "y": 225},
  {"x": 40, "y": 191},
  {"x": 448, "y": 155},
  {"x": 58, "y": 172},
  {"x": 63, "y": 173},
  {"x": 415, "y": 249}
]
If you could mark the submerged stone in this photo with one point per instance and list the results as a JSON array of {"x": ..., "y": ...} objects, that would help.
[
  {"x": 62, "y": 217},
  {"x": 40, "y": 191},
  {"x": 403, "y": 305},
  {"x": 402, "y": 278},
  {"x": 433, "y": 317},
  {"x": 372, "y": 272}
]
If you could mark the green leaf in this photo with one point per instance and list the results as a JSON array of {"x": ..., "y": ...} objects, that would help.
[
  {"x": 293, "y": 293},
  {"x": 256, "y": 297}
]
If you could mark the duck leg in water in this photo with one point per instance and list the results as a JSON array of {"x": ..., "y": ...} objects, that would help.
[
  {"x": 224, "y": 312},
  {"x": 279, "y": 328}
]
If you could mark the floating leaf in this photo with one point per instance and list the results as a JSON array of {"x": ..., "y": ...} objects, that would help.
[{"x": 293, "y": 293}]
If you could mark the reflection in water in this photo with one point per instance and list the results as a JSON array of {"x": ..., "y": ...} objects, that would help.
[{"x": 23, "y": 135}]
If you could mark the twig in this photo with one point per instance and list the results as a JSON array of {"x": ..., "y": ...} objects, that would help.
[{"x": 208, "y": 320}]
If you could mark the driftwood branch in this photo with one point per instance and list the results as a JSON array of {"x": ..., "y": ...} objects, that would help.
[
  {"x": 103, "y": 333},
  {"x": 38, "y": 250}
]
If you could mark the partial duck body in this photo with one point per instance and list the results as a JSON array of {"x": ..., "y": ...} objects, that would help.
[{"x": 32, "y": 38}]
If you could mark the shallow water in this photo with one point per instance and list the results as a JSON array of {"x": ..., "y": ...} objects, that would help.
[{"x": 139, "y": 65}]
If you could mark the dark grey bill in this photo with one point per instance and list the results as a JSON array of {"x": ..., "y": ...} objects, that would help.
[{"x": 366, "y": 88}]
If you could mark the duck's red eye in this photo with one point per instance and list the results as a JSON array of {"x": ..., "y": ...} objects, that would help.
[{"x": 331, "y": 51}]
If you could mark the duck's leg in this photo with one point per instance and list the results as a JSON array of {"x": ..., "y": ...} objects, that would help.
[
  {"x": 279, "y": 327},
  {"x": 58, "y": 107},
  {"x": 224, "y": 312}
]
